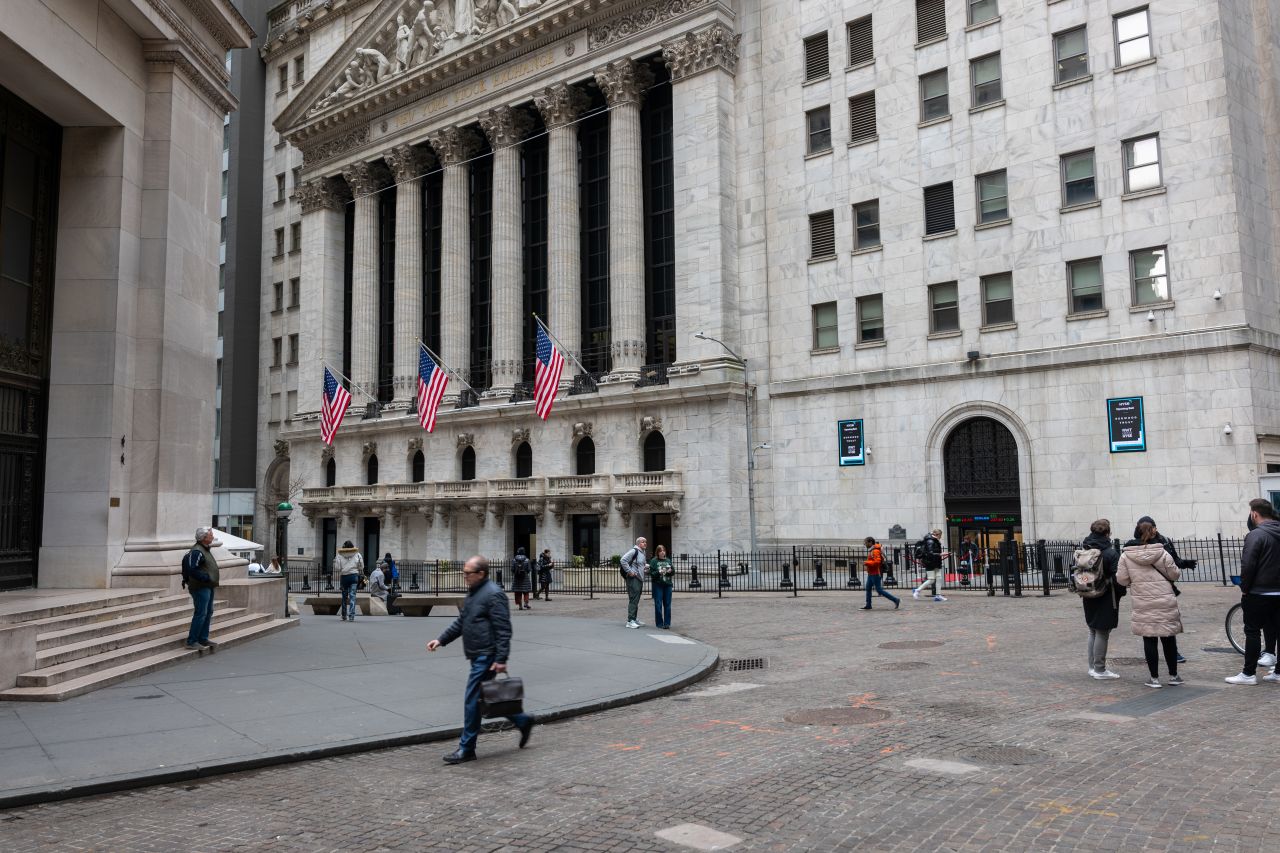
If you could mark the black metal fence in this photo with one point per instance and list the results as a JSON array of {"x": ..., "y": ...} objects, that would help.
[{"x": 1013, "y": 569}]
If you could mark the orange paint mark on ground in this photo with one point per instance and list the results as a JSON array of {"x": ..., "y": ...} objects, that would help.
[
  {"x": 861, "y": 701},
  {"x": 670, "y": 754},
  {"x": 991, "y": 642},
  {"x": 890, "y": 750},
  {"x": 625, "y": 747}
]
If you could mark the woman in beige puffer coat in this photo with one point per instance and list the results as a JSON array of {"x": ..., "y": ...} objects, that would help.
[{"x": 1148, "y": 572}]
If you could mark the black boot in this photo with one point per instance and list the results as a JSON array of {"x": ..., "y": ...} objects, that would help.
[{"x": 458, "y": 757}]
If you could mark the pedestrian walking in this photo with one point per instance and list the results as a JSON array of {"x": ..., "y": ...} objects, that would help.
[
  {"x": 484, "y": 624},
  {"x": 1102, "y": 614},
  {"x": 968, "y": 558},
  {"x": 1149, "y": 573},
  {"x": 521, "y": 579},
  {"x": 929, "y": 556},
  {"x": 660, "y": 574},
  {"x": 874, "y": 565},
  {"x": 545, "y": 565},
  {"x": 1259, "y": 588},
  {"x": 350, "y": 568},
  {"x": 633, "y": 566},
  {"x": 200, "y": 577},
  {"x": 378, "y": 590}
]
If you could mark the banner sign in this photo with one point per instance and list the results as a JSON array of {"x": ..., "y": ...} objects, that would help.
[
  {"x": 849, "y": 445},
  {"x": 1125, "y": 424}
]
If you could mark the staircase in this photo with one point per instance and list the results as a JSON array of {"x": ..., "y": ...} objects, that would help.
[{"x": 88, "y": 645}]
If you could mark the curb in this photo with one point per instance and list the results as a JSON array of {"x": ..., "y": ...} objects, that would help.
[{"x": 113, "y": 784}]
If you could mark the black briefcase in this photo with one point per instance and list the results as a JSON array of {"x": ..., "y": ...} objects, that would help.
[{"x": 502, "y": 697}]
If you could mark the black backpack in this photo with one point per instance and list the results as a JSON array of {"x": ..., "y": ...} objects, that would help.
[
  {"x": 920, "y": 551},
  {"x": 192, "y": 567},
  {"x": 520, "y": 566}
]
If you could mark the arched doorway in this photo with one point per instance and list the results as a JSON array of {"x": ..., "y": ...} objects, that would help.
[
  {"x": 655, "y": 452},
  {"x": 982, "y": 487}
]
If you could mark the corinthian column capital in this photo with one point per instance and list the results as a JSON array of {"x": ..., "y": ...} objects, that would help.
[
  {"x": 409, "y": 161},
  {"x": 505, "y": 126},
  {"x": 560, "y": 104},
  {"x": 366, "y": 178},
  {"x": 623, "y": 81},
  {"x": 322, "y": 194},
  {"x": 454, "y": 145},
  {"x": 715, "y": 46}
]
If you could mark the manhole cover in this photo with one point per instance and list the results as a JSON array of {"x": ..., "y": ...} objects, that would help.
[
  {"x": 739, "y": 664},
  {"x": 1008, "y": 755},
  {"x": 903, "y": 666},
  {"x": 1128, "y": 661},
  {"x": 836, "y": 716},
  {"x": 1220, "y": 650},
  {"x": 911, "y": 644}
]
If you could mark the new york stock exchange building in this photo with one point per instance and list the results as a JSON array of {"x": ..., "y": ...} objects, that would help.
[{"x": 822, "y": 269}]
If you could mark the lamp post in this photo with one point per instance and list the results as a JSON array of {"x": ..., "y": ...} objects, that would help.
[
  {"x": 283, "y": 510},
  {"x": 751, "y": 448}
]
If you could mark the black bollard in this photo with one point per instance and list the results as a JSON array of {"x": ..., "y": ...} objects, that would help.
[
  {"x": 694, "y": 583},
  {"x": 413, "y": 582},
  {"x": 819, "y": 582},
  {"x": 306, "y": 584},
  {"x": 328, "y": 582},
  {"x": 724, "y": 575},
  {"x": 853, "y": 582},
  {"x": 786, "y": 575}
]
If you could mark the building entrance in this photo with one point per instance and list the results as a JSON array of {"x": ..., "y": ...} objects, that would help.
[
  {"x": 524, "y": 531},
  {"x": 29, "y": 155},
  {"x": 980, "y": 461}
]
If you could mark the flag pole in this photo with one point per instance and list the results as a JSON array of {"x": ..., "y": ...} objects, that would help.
[
  {"x": 447, "y": 369},
  {"x": 348, "y": 380},
  {"x": 556, "y": 341}
]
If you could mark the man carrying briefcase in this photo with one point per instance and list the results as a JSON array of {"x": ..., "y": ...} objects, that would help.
[{"x": 485, "y": 627}]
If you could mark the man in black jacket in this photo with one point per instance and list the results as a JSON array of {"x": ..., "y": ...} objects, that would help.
[
  {"x": 1259, "y": 587},
  {"x": 485, "y": 627}
]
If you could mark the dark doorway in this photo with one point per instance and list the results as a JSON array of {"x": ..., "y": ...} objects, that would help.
[
  {"x": 659, "y": 533},
  {"x": 585, "y": 457},
  {"x": 331, "y": 473},
  {"x": 372, "y": 471},
  {"x": 524, "y": 460},
  {"x": 419, "y": 467},
  {"x": 372, "y": 543},
  {"x": 328, "y": 544},
  {"x": 467, "y": 463},
  {"x": 655, "y": 452},
  {"x": 30, "y": 147},
  {"x": 524, "y": 534},
  {"x": 980, "y": 463},
  {"x": 586, "y": 537}
]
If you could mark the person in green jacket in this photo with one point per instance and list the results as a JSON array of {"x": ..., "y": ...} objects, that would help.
[
  {"x": 201, "y": 581},
  {"x": 660, "y": 573}
]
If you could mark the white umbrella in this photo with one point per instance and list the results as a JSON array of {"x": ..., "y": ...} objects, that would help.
[{"x": 233, "y": 543}]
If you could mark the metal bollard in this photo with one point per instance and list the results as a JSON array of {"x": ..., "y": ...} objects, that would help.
[
  {"x": 785, "y": 583},
  {"x": 328, "y": 582},
  {"x": 694, "y": 583},
  {"x": 724, "y": 575},
  {"x": 819, "y": 582},
  {"x": 853, "y": 582},
  {"x": 413, "y": 582}
]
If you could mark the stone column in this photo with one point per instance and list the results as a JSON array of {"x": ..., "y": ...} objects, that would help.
[
  {"x": 323, "y": 202},
  {"x": 505, "y": 128},
  {"x": 408, "y": 164},
  {"x": 560, "y": 105},
  {"x": 453, "y": 146},
  {"x": 623, "y": 83},
  {"x": 365, "y": 180}
]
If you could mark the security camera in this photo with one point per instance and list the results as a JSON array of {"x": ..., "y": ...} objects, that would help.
[
  {"x": 1217, "y": 296},
  {"x": 1226, "y": 430}
]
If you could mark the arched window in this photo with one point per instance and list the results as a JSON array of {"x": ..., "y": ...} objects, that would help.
[
  {"x": 331, "y": 473},
  {"x": 468, "y": 460},
  {"x": 585, "y": 457},
  {"x": 524, "y": 460},
  {"x": 372, "y": 469},
  {"x": 655, "y": 452},
  {"x": 419, "y": 467}
]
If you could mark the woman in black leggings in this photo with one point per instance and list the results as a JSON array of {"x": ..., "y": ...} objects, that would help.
[{"x": 1149, "y": 573}]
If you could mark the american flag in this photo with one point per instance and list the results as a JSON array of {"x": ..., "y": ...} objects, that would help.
[
  {"x": 431, "y": 382},
  {"x": 333, "y": 407},
  {"x": 546, "y": 379}
]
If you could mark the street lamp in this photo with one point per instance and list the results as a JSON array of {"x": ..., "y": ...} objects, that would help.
[
  {"x": 751, "y": 447},
  {"x": 283, "y": 510}
]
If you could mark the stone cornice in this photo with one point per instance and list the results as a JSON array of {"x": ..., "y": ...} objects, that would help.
[
  {"x": 178, "y": 57},
  {"x": 285, "y": 30},
  {"x": 323, "y": 194},
  {"x": 715, "y": 46},
  {"x": 620, "y": 27}
]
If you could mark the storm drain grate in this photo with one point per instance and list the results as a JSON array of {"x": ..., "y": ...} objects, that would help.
[
  {"x": 1005, "y": 755},
  {"x": 911, "y": 644},
  {"x": 836, "y": 716},
  {"x": 904, "y": 666},
  {"x": 739, "y": 664}
]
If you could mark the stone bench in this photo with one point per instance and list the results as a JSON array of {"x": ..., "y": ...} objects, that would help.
[{"x": 409, "y": 603}]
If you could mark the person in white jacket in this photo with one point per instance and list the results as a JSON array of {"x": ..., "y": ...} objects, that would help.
[{"x": 350, "y": 568}]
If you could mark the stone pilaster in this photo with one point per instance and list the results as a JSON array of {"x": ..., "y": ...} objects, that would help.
[
  {"x": 365, "y": 180},
  {"x": 453, "y": 146},
  {"x": 505, "y": 128},
  {"x": 408, "y": 164},
  {"x": 560, "y": 105},
  {"x": 623, "y": 83},
  {"x": 323, "y": 202}
]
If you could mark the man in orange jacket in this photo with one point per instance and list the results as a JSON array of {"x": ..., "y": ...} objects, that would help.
[{"x": 874, "y": 564}]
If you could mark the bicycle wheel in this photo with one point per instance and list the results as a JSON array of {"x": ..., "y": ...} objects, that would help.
[{"x": 1235, "y": 627}]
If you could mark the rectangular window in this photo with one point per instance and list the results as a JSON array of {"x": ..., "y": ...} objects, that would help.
[
  {"x": 297, "y": 177},
  {"x": 278, "y": 289},
  {"x": 817, "y": 59},
  {"x": 1070, "y": 55},
  {"x": 1150, "y": 272},
  {"x": 825, "y": 330},
  {"x": 295, "y": 292},
  {"x": 220, "y": 313},
  {"x": 944, "y": 307},
  {"x": 818, "y": 123},
  {"x": 861, "y": 45},
  {"x": 1142, "y": 163},
  {"x": 276, "y": 345},
  {"x": 222, "y": 230},
  {"x": 862, "y": 117},
  {"x": 1084, "y": 278},
  {"x": 997, "y": 299},
  {"x": 939, "y": 209},
  {"x": 279, "y": 242},
  {"x": 986, "y": 80},
  {"x": 295, "y": 237},
  {"x": 993, "y": 196},
  {"x": 822, "y": 234},
  {"x": 1078, "y": 186},
  {"x": 293, "y": 349},
  {"x": 933, "y": 96},
  {"x": 866, "y": 224},
  {"x": 931, "y": 20},
  {"x": 283, "y": 71},
  {"x": 870, "y": 319},
  {"x": 981, "y": 11},
  {"x": 280, "y": 187},
  {"x": 1133, "y": 37},
  {"x": 299, "y": 64}
]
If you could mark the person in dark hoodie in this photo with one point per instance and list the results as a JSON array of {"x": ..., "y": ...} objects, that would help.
[
  {"x": 1102, "y": 614},
  {"x": 1259, "y": 586},
  {"x": 1182, "y": 564}
]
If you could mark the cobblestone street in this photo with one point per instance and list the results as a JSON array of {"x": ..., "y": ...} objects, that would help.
[{"x": 966, "y": 725}]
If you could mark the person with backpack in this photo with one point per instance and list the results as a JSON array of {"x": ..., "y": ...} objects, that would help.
[
  {"x": 200, "y": 577},
  {"x": 1148, "y": 572},
  {"x": 350, "y": 567},
  {"x": 928, "y": 554},
  {"x": 521, "y": 579},
  {"x": 1093, "y": 578},
  {"x": 633, "y": 566},
  {"x": 545, "y": 565},
  {"x": 1259, "y": 589},
  {"x": 874, "y": 565}
]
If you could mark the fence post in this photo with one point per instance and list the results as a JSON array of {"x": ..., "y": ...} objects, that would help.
[
  {"x": 1042, "y": 557},
  {"x": 723, "y": 570},
  {"x": 1017, "y": 568},
  {"x": 1222, "y": 560},
  {"x": 591, "y": 580}
]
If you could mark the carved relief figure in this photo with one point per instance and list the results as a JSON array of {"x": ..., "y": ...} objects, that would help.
[
  {"x": 529, "y": 5},
  {"x": 355, "y": 81},
  {"x": 425, "y": 27},
  {"x": 464, "y": 20},
  {"x": 376, "y": 66},
  {"x": 506, "y": 12},
  {"x": 485, "y": 15},
  {"x": 404, "y": 44}
]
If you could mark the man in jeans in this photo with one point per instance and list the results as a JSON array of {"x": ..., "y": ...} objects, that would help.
[
  {"x": 1259, "y": 587},
  {"x": 634, "y": 565},
  {"x": 201, "y": 580},
  {"x": 485, "y": 627}
]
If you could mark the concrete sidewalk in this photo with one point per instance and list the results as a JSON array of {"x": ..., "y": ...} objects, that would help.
[{"x": 324, "y": 689}]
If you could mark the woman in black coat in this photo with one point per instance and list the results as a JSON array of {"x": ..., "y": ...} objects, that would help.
[{"x": 1102, "y": 614}]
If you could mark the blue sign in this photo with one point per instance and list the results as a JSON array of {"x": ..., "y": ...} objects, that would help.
[
  {"x": 849, "y": 446},
  {"x": 1125, "y": 425}
]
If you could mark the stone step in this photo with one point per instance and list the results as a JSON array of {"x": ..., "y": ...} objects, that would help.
[
  {"x": 95, "y": 643},
  {"x": 176, "y": 637},
  {"x": 45, "y": 612},
  {"x": 109, "y": 614},
  {"x": 173, "y": 652},
  {"x": 79, "y": 633}
]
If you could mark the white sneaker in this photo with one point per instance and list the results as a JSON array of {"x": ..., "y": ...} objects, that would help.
[
  {"x": 1153, "y": 682},
  {"x": 1273, "y": 678},
  {"x": 1242, "y": 679},
  {"x": 916, "y": 594},
  {"x": 1267, "y": 659},
  {"x": 1106, "y": 673},
  {"x": 1093, "y": 673},
  {"x": 938, "y": 598},
  {"x": 631, "y": 623},
  {"x": 639, "y": 624}
]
